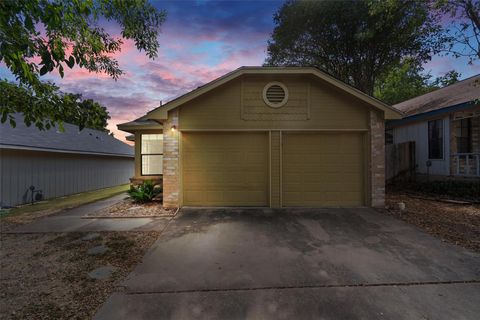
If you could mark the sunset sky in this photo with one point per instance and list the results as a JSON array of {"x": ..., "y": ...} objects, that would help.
[{"x": 200, "y": 40}]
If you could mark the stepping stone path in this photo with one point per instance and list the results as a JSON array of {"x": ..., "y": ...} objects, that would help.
[
  {"x": 90, "y": 236},
  {"x": 101, "y": 273},
  {"x": 98, "y": 250}
]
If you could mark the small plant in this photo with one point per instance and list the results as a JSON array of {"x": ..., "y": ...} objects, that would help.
[{"x": 144, "y": 192}]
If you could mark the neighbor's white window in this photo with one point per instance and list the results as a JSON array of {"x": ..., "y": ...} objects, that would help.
[{"x": 152, "y": 154}]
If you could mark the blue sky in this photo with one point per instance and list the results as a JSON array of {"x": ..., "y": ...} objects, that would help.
[{"x": 200, "y": 40}]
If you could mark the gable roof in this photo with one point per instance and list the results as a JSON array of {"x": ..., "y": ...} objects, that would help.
[
  {"x": 139, "y": 124},
  {"x": 72, "y": 140},
  {"x": 161, "y": 112},
  {"x": 461, "y": 92}
]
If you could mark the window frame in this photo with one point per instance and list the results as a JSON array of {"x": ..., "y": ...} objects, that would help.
[
  {"x": 442, "y": 143},
  {"x": 468, "y": 137},
  {"x": 149, "y": 154}
]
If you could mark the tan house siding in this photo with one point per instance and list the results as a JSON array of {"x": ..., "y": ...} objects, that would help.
[
  {"x": 296, "y": 108},
  {"x": 171, "y": 169},
  {"x": 275, "y": 168},
  {"x": 328, "y": 108},
  {"x": 377, "y": 159},
  {"x": 314, "y": 106}
]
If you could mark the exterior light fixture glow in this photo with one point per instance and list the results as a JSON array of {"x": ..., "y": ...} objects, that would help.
[{"x": 174, "y": 128}]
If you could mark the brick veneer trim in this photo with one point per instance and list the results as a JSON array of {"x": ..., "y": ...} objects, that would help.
[
  {"x": 377, "y": 159},
  {"x": 171, "y": 167}
]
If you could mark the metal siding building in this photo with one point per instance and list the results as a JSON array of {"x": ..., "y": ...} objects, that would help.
[
  {"x": 418, "y": 132},
  {"x": 59, "y": 163}
]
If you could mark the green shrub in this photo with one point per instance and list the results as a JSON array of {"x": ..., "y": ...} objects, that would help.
[{"x": 144, "y": 192}]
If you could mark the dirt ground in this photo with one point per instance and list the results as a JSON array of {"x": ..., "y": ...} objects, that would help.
[
  {"x": 456, "y": 223},
  {"x": 127, "y": 208},
  {"x": 44, "y": 276}
]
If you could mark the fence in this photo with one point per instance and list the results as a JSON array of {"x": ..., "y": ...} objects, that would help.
[{"x": 400, "y": 161}]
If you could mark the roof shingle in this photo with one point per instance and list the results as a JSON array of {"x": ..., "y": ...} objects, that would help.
[
  {"x": 72, "y": 140},
  {"x": 460, "y": 92}
]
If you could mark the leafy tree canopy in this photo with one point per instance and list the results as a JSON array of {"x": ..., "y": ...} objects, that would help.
[
  {"x": 65, "y": 107},
  {"x": 40, "y": 36},
  {"x": 464, "y": 39},
  {"x": 355, "y": 41},
  {"x": 408, "y": 80}
]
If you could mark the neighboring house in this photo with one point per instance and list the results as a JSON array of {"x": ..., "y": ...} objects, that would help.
[
  {"x": 59, "y": 163},
  {"x": 264, "y": 136},
  {"x": 445, "y": 125}
]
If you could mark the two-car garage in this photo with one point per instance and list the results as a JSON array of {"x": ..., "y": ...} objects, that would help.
[
  {"x": 271, "y": 137},
  {"x": 238, "y": 168}
]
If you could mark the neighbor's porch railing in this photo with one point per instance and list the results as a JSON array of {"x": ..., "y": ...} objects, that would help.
[{"x": 467, "y": 164}]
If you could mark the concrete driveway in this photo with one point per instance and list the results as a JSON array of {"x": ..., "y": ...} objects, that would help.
[{"x": 298, "y": 263}]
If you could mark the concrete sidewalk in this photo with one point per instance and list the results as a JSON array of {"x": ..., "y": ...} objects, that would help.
[{"x": 73, "y": 220}]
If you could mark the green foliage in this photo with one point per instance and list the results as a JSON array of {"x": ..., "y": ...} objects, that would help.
[
  {"x": 88, "y": 112},
  {"x": 40, "y": 36},
  {"x": 407, "y": 81},
  {"x": 355, "y": 41},
  {"x": 62, "y": 107},
  {"x": 464, "y": 30},
  {"x": 144, "y": 192}
]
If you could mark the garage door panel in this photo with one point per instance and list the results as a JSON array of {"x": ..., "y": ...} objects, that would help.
[
  {"x": 323, "y": 169},
  {"x": 225, "y": 169}
]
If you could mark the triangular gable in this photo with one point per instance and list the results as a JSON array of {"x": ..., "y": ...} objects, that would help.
[{"x": 161, "y": 113}]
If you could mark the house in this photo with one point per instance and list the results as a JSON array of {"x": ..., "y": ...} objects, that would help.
[
  {"x": 266, "y": 136},
  {"x": 445, "y": 125},
  {"x": 59, "y": 163}
]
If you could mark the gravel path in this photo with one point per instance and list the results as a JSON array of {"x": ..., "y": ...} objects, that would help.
[
  {"x": 45, "y": 276},
  {"x": 456, "y": 223},
  {"x": 128, "y": 209}
]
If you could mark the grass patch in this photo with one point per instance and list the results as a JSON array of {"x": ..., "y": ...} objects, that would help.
[{"x": 71, "y": 201}]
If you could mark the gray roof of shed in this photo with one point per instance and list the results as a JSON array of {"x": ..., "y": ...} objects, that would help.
[
  {"x": 460, "y": 92},
  {"x": 72, "y": 140}
]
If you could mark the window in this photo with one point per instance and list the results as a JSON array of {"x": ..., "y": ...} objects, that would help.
[
  {"x": 464, "y": 137},
  {"x": 152, "y": 154},
  {"x": 435, "y": 139}
]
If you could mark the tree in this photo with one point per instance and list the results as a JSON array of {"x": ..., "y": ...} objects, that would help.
[
  {"x": 40, "y": 36},
  {"x": 408, "y": 80},
  {"x": 355, "y": 41},
  {"x": 67, "y": 107},
  {"x": 464, "y": 39},
  {"x": 88, "y": 112}
]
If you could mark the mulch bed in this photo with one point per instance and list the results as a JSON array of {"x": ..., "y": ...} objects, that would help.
[
  {"x": 454, "y": 222},
  {"x": 44, "y": 276},
  {"x": 128, "y": 209}
]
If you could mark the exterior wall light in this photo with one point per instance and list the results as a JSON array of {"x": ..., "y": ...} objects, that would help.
[{"x": 174, "y": 128}]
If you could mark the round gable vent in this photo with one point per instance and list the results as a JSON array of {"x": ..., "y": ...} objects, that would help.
[{"x": 275, "y": 94}]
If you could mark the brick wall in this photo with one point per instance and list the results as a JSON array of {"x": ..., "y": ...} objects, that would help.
[
  {"x": 171, "y": 169},
  {"x": 377, "y": 162}
]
